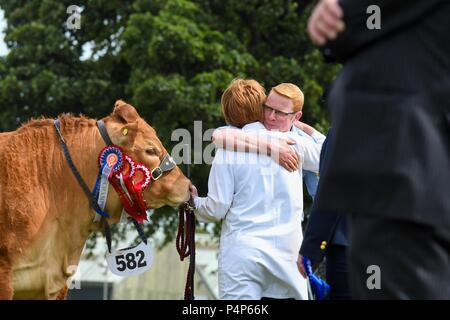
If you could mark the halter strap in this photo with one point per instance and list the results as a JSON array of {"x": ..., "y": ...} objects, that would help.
[
  {"x": 104, "y": 132},
  {"x": 166, "y": 164},
  {"x": 75, "y": 171}
]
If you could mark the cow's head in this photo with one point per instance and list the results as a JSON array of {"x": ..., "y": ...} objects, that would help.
[{"x": 138, "y": 139}]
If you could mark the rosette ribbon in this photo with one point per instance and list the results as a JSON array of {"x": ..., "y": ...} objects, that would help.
[{"x": 110, "y": 161}]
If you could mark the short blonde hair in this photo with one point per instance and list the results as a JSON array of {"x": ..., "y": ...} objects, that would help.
[
  {"x": 291, "y": 91},
  {"x": 242, "y": 102}
]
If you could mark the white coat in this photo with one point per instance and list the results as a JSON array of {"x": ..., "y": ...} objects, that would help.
[{"x": 260, "y": 204}]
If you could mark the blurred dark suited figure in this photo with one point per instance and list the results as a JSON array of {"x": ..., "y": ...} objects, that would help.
[{"x": 389, "y": 157}]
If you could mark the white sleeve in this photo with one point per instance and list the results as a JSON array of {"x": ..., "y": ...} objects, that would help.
[
  {"x": 226, "y": 128},
  {"x": 220, "y": 191},
  {"x": 309, "y": 152},
  {"x": 318, "y": 137},
  {"x": 311, "y": 155}
]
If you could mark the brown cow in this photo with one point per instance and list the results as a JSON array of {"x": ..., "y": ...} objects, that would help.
[{"x": 45, "y": 218}]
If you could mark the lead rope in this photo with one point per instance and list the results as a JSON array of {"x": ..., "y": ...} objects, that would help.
[{"x": 185, "y": 243}]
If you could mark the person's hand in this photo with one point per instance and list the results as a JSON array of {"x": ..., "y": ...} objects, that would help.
[
  {"x": 300, "y": 266},
  {"x": 285, "y": 155},
  {"x": 193, "y": 191},
  {"x": 326, "y": 22}
]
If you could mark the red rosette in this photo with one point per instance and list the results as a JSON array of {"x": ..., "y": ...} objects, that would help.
[
  {"x": 142, "y": 177},
  {"x": 126, "y": 202},
  {"x": 136, "y": 178},
  {"x": 128, "y": 168}
]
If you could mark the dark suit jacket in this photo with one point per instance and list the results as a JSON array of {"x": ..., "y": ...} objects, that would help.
[
  {"x": 390, "y": 107},
  {"x": 323, "y": 228}
]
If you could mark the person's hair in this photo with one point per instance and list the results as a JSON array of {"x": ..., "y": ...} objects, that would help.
[
  {"x": 242, "y": 102},
  {"x": 291, "y": 91}
]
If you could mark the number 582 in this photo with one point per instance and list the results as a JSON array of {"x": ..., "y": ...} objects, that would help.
[{"x": 128, "y": 261}]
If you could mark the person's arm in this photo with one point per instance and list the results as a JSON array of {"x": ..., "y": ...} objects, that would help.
[
  {"x": 311, "y": 131},
  {"x": 306, "y": 128},
  {"x": 309, "y": 152},
  {"x": 214, "y": 207},
  {"x": 278, "y": 149},
  {"x": 341, "y": 26}
]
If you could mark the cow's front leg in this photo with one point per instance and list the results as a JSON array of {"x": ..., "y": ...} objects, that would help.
[{"x": 6, "y": 279}]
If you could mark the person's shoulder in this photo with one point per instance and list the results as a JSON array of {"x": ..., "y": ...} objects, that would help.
[
  {"x": 316, "y": 137},
  {"x": 296, "y": 137},
  {"x": 222, "y": 157},
  {"x": 226, "y": 127},
  {"x": 299, "y": 132},
  {"x": 254, "y": 126}
]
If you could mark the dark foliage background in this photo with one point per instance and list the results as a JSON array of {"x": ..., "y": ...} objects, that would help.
[{"x": 171, "y": 59}]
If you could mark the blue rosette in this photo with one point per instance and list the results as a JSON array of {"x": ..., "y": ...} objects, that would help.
[
  {"x": 110, "y": 161},
  {"x": 112, "y": 156}
]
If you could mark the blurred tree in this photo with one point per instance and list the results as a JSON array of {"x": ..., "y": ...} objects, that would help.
[{"x": 171, "y": 59}]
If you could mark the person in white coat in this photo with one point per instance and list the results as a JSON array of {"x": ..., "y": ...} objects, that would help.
[{"x": 258, "y": 202}]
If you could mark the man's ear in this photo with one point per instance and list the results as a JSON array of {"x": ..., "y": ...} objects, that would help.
[
  {"x": 298, "y": 115},
  {"x": 125, "y": 112}
]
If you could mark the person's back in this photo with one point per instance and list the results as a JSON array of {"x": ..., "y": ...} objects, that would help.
[
  {"x": 389, "y": 156},
  {"x": 396, "y": 85},
  {"x": 261, "y": 230},
  {"x": 266, "y": 208}
]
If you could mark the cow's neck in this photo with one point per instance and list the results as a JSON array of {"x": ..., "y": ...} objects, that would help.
[{"x": 85, "y": 150}]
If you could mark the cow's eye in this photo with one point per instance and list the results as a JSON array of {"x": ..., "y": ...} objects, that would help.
[{"x": 151, "y": 152}]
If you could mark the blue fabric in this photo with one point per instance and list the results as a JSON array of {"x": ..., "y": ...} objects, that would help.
[
  {"x": 340, "y": 232},
  {"x": 320, "y": 288},
  {"x": 338, "y": 273},
  {"x": 322, "y": 227},
  {"x": 311, "y": 180}
]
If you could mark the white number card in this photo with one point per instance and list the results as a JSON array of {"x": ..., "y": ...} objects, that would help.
[{"x": 131, "y": 261}]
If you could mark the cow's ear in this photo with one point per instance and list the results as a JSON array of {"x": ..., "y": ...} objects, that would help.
[
  {"x": 125, "y": 112},
  {"x": 127, "y": 135}
]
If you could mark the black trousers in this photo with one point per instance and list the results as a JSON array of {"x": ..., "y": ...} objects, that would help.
[
  {"x": 413, "y": 260},
  {"x": 337, "y": 272}
]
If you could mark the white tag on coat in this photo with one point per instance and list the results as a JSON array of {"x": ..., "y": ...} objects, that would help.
[{"x": 131, "y": 261}]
